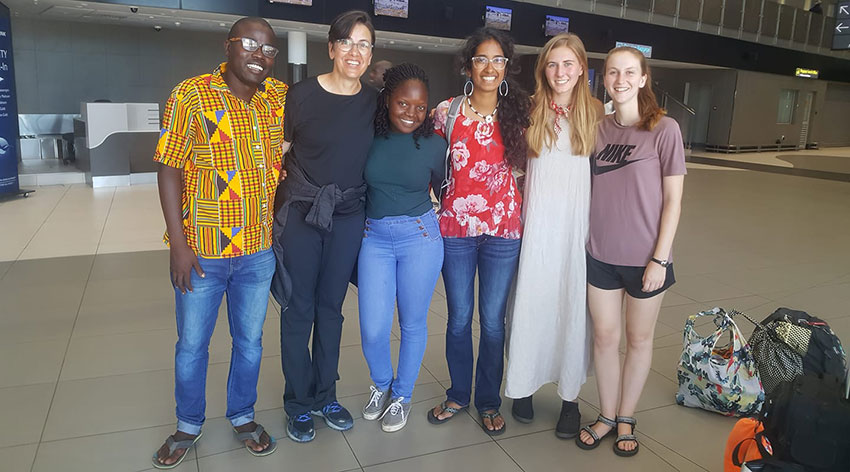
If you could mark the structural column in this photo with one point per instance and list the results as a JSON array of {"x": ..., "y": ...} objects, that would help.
[{"x": 297, "y": 48}]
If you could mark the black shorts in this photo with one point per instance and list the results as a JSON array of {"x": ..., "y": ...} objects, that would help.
[{"x": 612, "y": 277}]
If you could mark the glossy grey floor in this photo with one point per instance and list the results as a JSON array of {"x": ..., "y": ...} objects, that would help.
[{"x": 86, "y": 352}]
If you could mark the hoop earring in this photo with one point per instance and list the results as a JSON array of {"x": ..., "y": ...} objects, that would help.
[
  {"x": 470, "y": 86},
  {"x": 506, "y": 86}
]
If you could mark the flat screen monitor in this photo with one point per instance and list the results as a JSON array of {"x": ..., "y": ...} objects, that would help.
[
  {"x": 556, "y": 25},
  {"x": 396, "y": 8},
  {"x": 306, "y": 3},
  {"x": 644, "y": 49},
  {"x": 499, "y": 18}
]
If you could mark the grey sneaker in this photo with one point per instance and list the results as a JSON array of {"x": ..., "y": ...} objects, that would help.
[
  {"x": 377, "y": 405},
  {"x": 396, "y": 415}
]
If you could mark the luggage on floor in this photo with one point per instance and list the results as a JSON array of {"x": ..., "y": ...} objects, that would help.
[
  {"x": 789, "y": 343},
  {"x": 771, "y": 465},
  {"x": 806, "y": 421},
  {"x": 741, "y": 444},
  {"x": 717, "y": 376}
]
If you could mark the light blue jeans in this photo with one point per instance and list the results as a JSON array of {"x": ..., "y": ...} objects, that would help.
[
  {"x": 400, "y": 258},
  {"x": 246, "y": 281}
]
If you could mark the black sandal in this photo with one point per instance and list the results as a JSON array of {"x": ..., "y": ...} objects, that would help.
[
  {"x": 491, "y": 417},
  {"x": 596, "y": 438},
  {"x": 432, "y": 418},
  {"x": 626, "y": 437}
]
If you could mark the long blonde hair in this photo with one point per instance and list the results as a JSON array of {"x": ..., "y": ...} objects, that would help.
[
  {"x": 584, "y": 113},
  {"x": 648, "y": 108}
]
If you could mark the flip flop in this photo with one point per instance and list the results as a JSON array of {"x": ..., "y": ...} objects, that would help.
[
  {"x": 255, "y": 436},
  {"x": 433, "y": 418},
  {"x": 173, "y": 445},
  {"x": 491, "y": 417}
]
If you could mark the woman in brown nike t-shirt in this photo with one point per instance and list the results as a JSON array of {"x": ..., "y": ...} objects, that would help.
[{"x": 638, "y": 172}]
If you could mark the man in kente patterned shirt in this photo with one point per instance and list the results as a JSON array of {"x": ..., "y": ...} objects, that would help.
[{"x": 220, "y": 154}]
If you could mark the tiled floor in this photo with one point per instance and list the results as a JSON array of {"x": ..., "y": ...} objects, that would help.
[{"x": 87, "y": 335}]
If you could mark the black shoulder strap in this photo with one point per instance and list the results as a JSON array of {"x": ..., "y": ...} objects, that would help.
[{"x": 737, "y": 450}]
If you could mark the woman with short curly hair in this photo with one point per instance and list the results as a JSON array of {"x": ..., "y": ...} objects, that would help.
[{"x": 402, "y": 251}]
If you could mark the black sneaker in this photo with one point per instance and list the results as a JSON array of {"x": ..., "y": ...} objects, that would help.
[
  {"x": 336, "y": 416},
  {"x": 299, "y": 428},
  {"x": 523, "y": 410},
  {"x": 568, "y": 423}
]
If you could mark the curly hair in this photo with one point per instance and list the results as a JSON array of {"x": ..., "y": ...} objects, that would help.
[
  {"x": 393, "y": 78},
  {"x": 513, "y": 108}
]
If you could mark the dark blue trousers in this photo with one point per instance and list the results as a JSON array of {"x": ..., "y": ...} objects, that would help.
[{"x": 320, "y": 264}]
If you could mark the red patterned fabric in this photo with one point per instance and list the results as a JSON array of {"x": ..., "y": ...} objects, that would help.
[
  {"x": 230, "y": 152},
  {"x": 482, "y": 196}
]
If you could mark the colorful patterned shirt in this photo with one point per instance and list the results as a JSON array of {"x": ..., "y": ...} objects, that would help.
[
  {"x": 482, "y": 196},
  {"x": 230, "y": 152}
]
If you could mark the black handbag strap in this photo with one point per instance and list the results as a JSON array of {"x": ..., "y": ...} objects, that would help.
[
  {"x": 737, "y": 450},
  {"x": 747, "y": 317}
]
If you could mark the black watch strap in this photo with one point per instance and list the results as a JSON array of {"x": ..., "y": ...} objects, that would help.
[{"x": 660, "y": 262}]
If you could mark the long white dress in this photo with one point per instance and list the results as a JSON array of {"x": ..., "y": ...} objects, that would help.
[{"x": 548, "y": 335}]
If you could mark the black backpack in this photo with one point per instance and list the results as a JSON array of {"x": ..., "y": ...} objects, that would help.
[
  {"x": 789, "y": 343},
  {"x": 807, "y": 421}
]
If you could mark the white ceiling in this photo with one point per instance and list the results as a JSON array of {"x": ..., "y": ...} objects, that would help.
[{"x": 95, "y": 12}]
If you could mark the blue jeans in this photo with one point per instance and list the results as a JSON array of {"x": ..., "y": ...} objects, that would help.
[
  {"x": 246, "y": 281},
  {"x": 496, "y": 260},
  {"x": 400, "y": 257}
]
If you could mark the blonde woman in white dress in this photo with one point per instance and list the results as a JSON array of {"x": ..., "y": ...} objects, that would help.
[{"x": 548, "y": 324}]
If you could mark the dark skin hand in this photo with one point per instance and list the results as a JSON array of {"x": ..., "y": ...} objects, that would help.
[{"x": 183, "y": 258}]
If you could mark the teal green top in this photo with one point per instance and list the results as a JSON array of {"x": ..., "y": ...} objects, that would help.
[{"x": 398, "y": 175}]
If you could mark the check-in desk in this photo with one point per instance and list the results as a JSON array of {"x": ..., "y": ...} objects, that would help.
[
  {"x": 42, "y": 136},
  {"x": 115, "y": 143}
]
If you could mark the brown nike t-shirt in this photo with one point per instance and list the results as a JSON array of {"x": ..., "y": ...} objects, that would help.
[{"x": 626, "y": 198}]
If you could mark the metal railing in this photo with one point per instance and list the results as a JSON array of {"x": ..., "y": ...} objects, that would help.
[
  {"x": 679, "y": 111},
  {"x": 760, "y": 21}
]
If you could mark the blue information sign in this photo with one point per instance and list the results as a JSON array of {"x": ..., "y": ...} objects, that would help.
[{"x": 8, "y": 110}]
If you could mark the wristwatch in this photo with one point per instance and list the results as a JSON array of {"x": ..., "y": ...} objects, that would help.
[{"x": 662, "y": 263}]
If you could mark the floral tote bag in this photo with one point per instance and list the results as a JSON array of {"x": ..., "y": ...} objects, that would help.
[{"x": 718, "y": 376}]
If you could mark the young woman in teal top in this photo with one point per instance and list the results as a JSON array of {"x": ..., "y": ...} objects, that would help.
[{"x": 402, "y": 250}]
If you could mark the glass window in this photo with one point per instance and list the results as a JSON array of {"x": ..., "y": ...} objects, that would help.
[{"x": 787, "y": 103}]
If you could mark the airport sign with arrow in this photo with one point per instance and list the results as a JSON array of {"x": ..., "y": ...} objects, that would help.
[{"x": 841, "y": 32}]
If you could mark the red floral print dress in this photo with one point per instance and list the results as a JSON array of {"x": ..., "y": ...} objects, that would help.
[{"x": 482, "y": 196}]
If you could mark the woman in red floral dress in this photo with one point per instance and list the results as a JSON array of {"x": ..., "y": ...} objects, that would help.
[{"x": 480, "y": 221}]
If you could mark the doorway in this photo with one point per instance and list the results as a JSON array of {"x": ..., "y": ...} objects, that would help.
[
  {"x": 807, "y": 119},
  {"x": 698, "y": 97}
]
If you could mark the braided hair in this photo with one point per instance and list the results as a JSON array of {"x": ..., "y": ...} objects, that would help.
[{"x": 393, "y": 78}]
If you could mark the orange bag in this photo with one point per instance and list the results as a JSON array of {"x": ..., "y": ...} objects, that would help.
[{"x": 742, "y": 443}]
